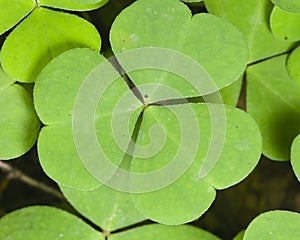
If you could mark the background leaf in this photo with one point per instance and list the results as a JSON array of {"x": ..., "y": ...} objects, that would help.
[
  {"x": 5, "y": 80},
  {"x": 293, "y": 65},
  {"x": 288, "y": 5},
  {"x": 108, "y": 208},
  {"x": 274, "y": 225},
  {"x": 273, "y": 100},
  {"x": 73, "y": 5},
  {"x": 19, "y": 124},
  {"x": 214, "y": 43},
  {"x": 285, "y": 25},
  {"x": 295, "y": 156},
  {"x": 156, "y": 231},
  {"x": 13, "y": 11},
  {"x": 252, "y": 19},
  {"x": 45, "y": 223},
  {"x": 23, "y": 60}
]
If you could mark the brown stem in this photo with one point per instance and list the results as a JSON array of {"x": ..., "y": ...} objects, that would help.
[{"x": 18, "y": 175}]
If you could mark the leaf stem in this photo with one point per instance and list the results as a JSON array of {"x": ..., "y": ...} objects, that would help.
[{"x": 18, "y": 175}]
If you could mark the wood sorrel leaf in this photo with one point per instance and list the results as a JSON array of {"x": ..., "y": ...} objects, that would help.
[
  {"x": 273, "y": 100},
  {"x": 162, "y": 232},
  {"x": 293, "y": 65},
  {"x": 55, "y": 92},
  {"x": 45, "y": 223},
  {"x": 212, "y": 42},
  {"x": 12, "y": 12},
  {"x": 19, "y": 124},
  {"x": 73, "y": 5},
  {"x": 252, "y": 19},
  {"x": 274, "y": 225},
  {"x": 295, "y": 156},
  {"x": 108, "y": 208},
  {"x": 193, "y": 194},
  {"x": 5, "y": 80},
  {"x": 288, "y": 5},
  {"x": 23, "y": 60},
  {"x": 285, "y": 25}
]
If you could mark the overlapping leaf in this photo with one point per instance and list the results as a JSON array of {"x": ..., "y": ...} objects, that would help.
[
  {"x": 285, "y": 25},
  {"x": 293, "y": 65},
  {"x": 73, "y": 5},
  {"x": 19, "y": 124},
  {"x": 295, "y": 156},
  {"x": 42, "y": 40},
  {"x": 274, "y": 225},
  {"x": 273, "y": 100},
  {"x": 106, "y": 207},
  {"x": 288, "y": 5},
  {"x": 12, "y": 12},
  {"x": 45, "y": 223},
  {"x": 156, "y": 231},
  {"x": 252, "y": 19}
]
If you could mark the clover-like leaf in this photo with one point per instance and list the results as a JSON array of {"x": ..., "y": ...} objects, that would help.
[
  {"x": 13, "y": 11},
  {"x": 295, "y": 156},
  {"x": 45, "y": 223},
  {"x": 274, "y": 225},
  {"x": 270, "y": 93},
  {"x": 214, "y": 43},
  {"x": 19, "y": 124},
  {"x": 54, "y": 96},
  {"x": 106, "y": 207},
  {"x": 42, "y": 40},
  {"x": 73, "y": 5},
  {"x": 252, "y": 19},
  {"x": 157, "y": 231},
  {"x": 103, "y": 115},
  {"x": 293, "y": 65},
  {"x": 193, "y": 194},
  {"x": 285, "y": 25},
  {"x": 86, "y": 1},
  {"x": 240, "y": 235},
  {"x": 5, "y": 80},
  {"x": 288, "y": 5}
]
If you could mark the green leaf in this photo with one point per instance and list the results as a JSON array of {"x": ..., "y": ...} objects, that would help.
[
  {"x": 252, "y": 19},
  {"x": 54, "y": 95},
  {"x": 239, "y": 236},
  {"x": 73, "y": 5},
  {"x": 59, "y": 158},
  {"x": 293, "y": 65},
  {"x": 274, "y": 225},
  {"x": 191, "y": 195},
  {"x": 295, "y": 156},
  {"x": 51, "y": 34},
  {"x": 214, "y": 43},
  {"x": 273, "y": 100},
  {"x": 288, "y": 5},
  {"x": 161, "y": 232},
  {"x": 13, "y": 11},
  {"x": 230, "y": 94},
  {"x": 45, "y": 223},
  {"x": 19, "y": 124},
  {"x": 285, "y": 25},
  {"x": 5, "y": 80},
  {"x": 86, "y": 1},
  {"x": 54, "y": 104},
  {"x": 106, "y": 207}
]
